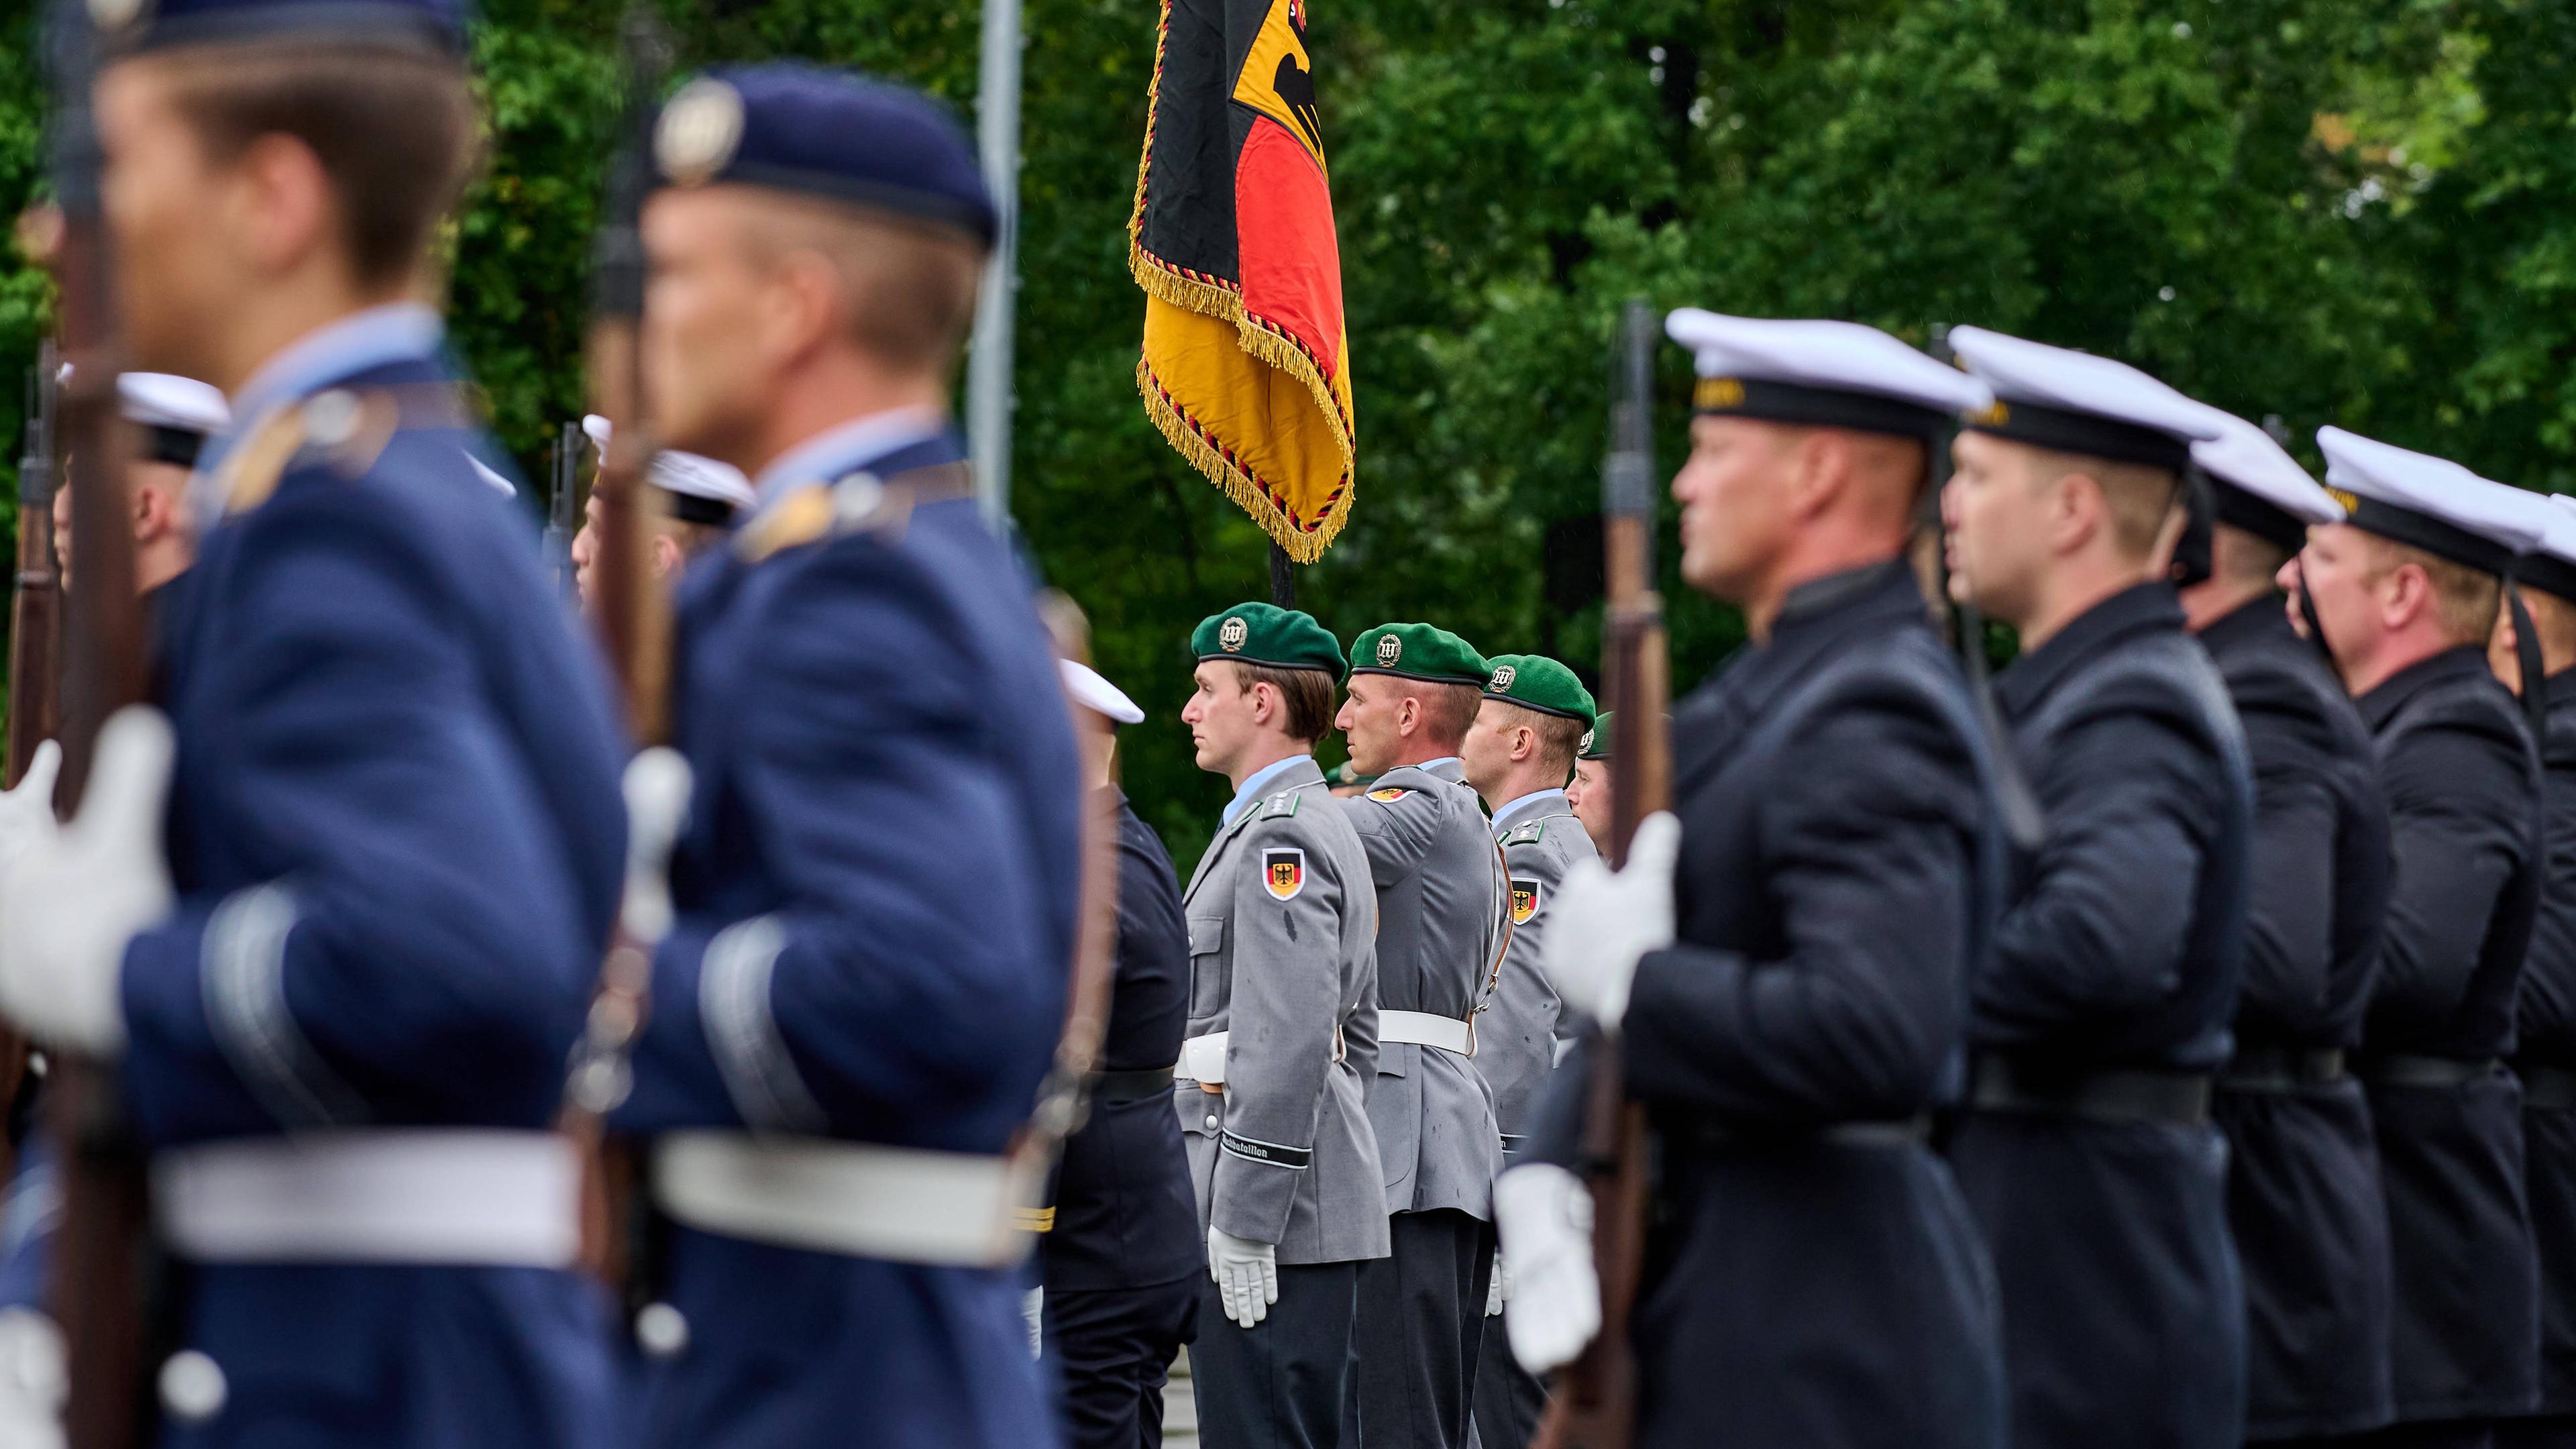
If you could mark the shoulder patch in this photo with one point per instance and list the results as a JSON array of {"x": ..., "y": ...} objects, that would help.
[
  {"x": 1388, "y": 795},
  {"x": 1525, "y": 900},
  {"x": 1283, "y": 871},
  {"x": 1526, "y": 834},
  {"x": 1281, "y": 805}
]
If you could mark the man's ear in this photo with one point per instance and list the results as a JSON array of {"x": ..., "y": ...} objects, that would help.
[
  {"x": 1265, "y": 703},
  {"x": 2404, "y": 595},
  {"x": 1524, "y": 743},
  {"x": 1818, "y": 472},
  {"x": 666, "y": 556},
  {"x": 2078, "y": 510},
  {"x": 1408, "y": 716},
  {"x": 283, "y": 196}
]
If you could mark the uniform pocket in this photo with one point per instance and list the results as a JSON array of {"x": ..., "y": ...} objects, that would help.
[{"x": 1207, "y": 965}]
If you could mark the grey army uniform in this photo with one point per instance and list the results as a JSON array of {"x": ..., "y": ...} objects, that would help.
[
  {"x": 1439, "y": 895},
  {"x": 1516, "y": 1035},
  {"x": 1283, "y": 962}
]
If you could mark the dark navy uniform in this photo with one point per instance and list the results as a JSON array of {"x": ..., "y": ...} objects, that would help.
[
  {"x": 1813, "y": 1276},
  {"x": 2087, "y": 1152},
  {"x": 2545, "y": 1060},
  {"x": 1121, "y": 1260},
  {"x": 2303, "y": 1190},
  {"x": 2463, "y": 786}
]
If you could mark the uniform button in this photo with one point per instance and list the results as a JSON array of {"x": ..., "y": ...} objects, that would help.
[
  {"x": 661, "y": 1331},
  {"x": 192, "y": 1387},
  {"x": 1211, "y": 1122}
]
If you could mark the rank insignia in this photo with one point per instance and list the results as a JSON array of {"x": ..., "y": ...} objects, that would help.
[
  {"x": 1284, "y": 872},
  {"x": 1389, "y": 795},
  {"x": 1524, "y": 901}
]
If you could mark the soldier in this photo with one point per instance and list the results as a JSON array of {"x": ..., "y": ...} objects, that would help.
[
  {"x": 2303, "y": 1191},
  {"x": 2545, "y": 1019},
  {"x": 1283, "y": 1044},
  {"x": 1786, "y": 968},
  {"x": 2086, "y": 1150},
  {"x": 876, "y": 894},
  {"x": 696, "y": 501},
  {"x": 1119, "y": 1253},
  {"x": 1520, "y": 754},
  {"x": 2406, "y": 592},
  {"x": 1413, "y": 693},
  {"x": 1589, "y": 793},
  {"x": 173, "y": 417},
  {"x": 340, "y": 1008}
]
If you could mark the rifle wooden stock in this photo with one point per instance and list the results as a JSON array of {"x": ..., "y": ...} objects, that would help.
[
  {"x": 35, "y": 621},
  {"x": 1595, "y": 1405}
]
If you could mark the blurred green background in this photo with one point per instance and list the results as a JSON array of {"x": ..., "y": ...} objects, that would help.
[{"x": 2347, "y": 211}]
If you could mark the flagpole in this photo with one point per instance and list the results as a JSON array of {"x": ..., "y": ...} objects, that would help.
[{"x": 988, "y": 366}]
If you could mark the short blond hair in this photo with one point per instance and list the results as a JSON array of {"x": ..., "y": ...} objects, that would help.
[
  {"x": 911, "y": 285},
  {"x": 2139, "y": 496},
  {"x": 2465, "y": 600}
]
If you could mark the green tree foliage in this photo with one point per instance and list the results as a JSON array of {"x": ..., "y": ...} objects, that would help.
[{"x": 2331, "y": 210}]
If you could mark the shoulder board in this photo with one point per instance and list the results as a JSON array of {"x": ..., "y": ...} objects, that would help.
[
  {"x": 1388, "y": 795},
  {"x": 250, "y": 473},
  {"x": 799, "y": 519},
  {"x": 1282, "y": 804},
  {"x": 1526, "y": 834}
]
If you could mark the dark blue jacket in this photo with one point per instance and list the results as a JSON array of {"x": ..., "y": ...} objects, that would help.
[
  {"x": 2546, "y": 1033},
  {"x": 2124, "y": 1313},
  {"x": 885, "y": 769},
  {"x": 2303, "y": 1190}
]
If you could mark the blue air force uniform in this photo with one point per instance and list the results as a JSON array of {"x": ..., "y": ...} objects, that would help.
[
  {"x": 2086, "y": 1150},
  {"x": 875, "y": 892},
  {"x": 2303, "y": 1192},
  {"x": 396, "y": 834}
]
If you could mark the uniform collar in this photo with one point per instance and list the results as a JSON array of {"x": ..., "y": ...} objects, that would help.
[
  {"x": 2140, "y": 609},
  {"x": 1529, "y": 807},
  {"x": 1447, "y": 767},
  {"x": 2251, "y": 623},
  {"x": 2559, "y": 688},
  {"x": 2461, "y": 661},
  {"x": 845, "y": 448},
  {"x": 334, "y": 352},
  {"x": 1258, "y": 784},
  {"x": 1820, "y": 599}
]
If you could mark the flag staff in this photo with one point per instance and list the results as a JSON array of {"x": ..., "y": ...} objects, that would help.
[{"x": 988, "y": 364}]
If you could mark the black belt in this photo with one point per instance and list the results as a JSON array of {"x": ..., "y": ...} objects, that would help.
[
  {"x": 2553, "y": 1088},
  {"x": 2118, "y": 1094},
  {"x": 1906, "y": 1132},
  {"x": 1137, "y": 1085},
  {"x": 2404, "y": 1069},
  {"x": 2282, "y": 1069}
]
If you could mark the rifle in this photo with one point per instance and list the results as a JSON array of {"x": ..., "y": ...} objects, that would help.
[
  {"x": 566, "y": 471},
  {"x": 102, "y": 1266},
  {"x": 1595, "y": 1406},
  {"x": 34, "y": 620}
]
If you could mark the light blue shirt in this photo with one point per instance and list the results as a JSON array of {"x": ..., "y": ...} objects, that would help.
[
  {"x": 359, "y": 342},
  {"x": 828, "y": 454},
  {"x": 1503, "y": 816},
  {"x": 1259, "y": 782}
]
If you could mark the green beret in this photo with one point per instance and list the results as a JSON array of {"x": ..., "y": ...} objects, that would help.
[
  {"x": 1267, "y": 634},
  {"x": 1596, "y": 740},
  {"x": 1534, "y": 681},
  {"x": 1418, "y": 651}
]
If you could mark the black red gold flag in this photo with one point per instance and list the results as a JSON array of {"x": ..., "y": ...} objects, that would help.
[{"x": 1246, "y": 364}]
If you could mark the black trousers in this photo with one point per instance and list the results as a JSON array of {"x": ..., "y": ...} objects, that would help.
[
  {"x": 1422, "y": 1320},
  {"x": 1112, "y": 1348},
  {"x": 1509, "y": 1398},
  {"x": 2554, "y": 1431},
  {"x": 1281, "y": 1384},
  {"x": 2428, "y": 1434}
]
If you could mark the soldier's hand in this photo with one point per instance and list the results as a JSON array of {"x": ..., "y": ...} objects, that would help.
[
  {"x": 1246, "y": 1274},
  {"x": 34, "y": 1381},
  {"x": 73, "y": 897},
  {"x": 1605, "y": 921},
  {"x": 1500, "y": 1291},
  {"x": 1545, "y": 1214},
  {"x": 27, "y": 809}
]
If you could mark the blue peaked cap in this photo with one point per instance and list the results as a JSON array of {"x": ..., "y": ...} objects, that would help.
[
  {"x": 828, "y": 133},
  {"x": 138, "y": 25}
]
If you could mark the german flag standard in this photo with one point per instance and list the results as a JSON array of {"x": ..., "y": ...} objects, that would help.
[{"x": 1246, "y": 366}]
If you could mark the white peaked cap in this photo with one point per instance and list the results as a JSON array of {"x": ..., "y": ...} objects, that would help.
[
  {"x": 2429, "y": 503},
  {"x": 1097, "y": 694},
  {"x": 164, "y": 400},
  {"x": 2076, "y": 402},
  {"x": 686, "y": 473},
  {"x": 1804, "y": 357},
  {"x": 2558, "y": 540},
  {"x": 2244, "y": 456}
]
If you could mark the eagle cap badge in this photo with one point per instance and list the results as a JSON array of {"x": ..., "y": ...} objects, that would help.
[{"x": 699, "y": 131}]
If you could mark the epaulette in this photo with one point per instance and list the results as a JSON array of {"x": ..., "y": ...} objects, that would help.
[
  {"x": 1282, "y": 804},
  {"x": 858, "y": 503},
  {"x": 1390, "y": 794},
  {"x": 1526, "y": 834},
  {"x": 249, "y": 473}
]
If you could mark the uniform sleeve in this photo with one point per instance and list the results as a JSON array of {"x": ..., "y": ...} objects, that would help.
[
  {"x": 2289, "y": 937},
  {"x": 903, "y": 975},
  {"x": 1530, "y": 864},
  {"x": 2099, "y": 928},
  {"x": 1866, "y": 843},
  {"x": 1286, "y": 1001},
  {"x": 2457, "y": 807},
  {"x": 1397, "y": 834},
  {"x": 419, "y": 951}
]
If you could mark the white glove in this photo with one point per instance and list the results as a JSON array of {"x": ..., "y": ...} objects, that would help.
[
  {"x": 1499, "y": 1291},
  {"x": 1246, "y": 1274},
  {"x": 34, "y": 1380},
  {"x": 27, "y": 811},
  {"x": 1604, "y": 922},
  {"x": 1545, "y": 1214},
  {"x": 1033, "y": 1308},
  {"x": 74, "y": 895}
]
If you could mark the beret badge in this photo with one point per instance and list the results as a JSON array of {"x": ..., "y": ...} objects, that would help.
[
  {"x": 699, "y": 131},
  {"x": 1389, "y": 650},
  {"x": 1503, "y": 676},
  {"x": 1585, "y": 747},
  {"x": 1231, "y": 634}
]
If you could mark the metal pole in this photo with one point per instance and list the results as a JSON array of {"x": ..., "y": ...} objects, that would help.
[{"x": 988, "y": 368}]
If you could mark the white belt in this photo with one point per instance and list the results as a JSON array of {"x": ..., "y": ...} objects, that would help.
[
  {"x": 862, "y": 1199},
  {"x": 1424, "y": 1029},
  {"x": 463, "y": 1196},
  {"x": 1203, "y": 1059}
]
